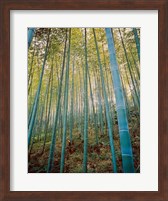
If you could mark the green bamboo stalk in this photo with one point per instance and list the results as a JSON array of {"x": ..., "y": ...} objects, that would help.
[
  {"x": 135, "y": 64},
  {"x": 65, "y": 108},
  {"x": 107, "y": 108},
  {"x": 85, "y": 108},
  {"x": 53, "y": 140},
  {"x": 72, "y": 102},
  {"x": 38, "y": 93},
  {"x": 137, "y": 42},
  {"x": 48, "y": 110},
  {"x": 100, "y": 115},
  {"x": 129, "y": 68},
  {"x": 94, "y": 112},
  {"x": 31, "y": 32},
  {"x": 125, "y": 142}
]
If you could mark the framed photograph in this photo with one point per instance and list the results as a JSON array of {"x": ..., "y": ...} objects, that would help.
[{"x": 83, "y": 100}]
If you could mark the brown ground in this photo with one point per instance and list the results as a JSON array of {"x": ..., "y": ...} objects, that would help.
[{"x": 99, "y": 156}]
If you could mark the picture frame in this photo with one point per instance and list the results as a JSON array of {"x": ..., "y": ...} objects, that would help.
[{"x": 5, "y": 8}]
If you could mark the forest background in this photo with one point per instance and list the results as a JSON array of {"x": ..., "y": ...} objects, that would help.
[{"x": 84, "y": 100}]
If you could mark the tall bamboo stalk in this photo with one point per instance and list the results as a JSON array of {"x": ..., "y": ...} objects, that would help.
[
  {"x": 38, "y": 93},
  {"x": 53, "y": 140},
  {"x": 125, "y": 142}
]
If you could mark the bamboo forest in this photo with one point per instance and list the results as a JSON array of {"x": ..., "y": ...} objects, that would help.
[{"x": 83, "y": 100}]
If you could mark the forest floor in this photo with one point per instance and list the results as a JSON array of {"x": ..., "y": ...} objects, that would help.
[{"x": 99, "y": 155}]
